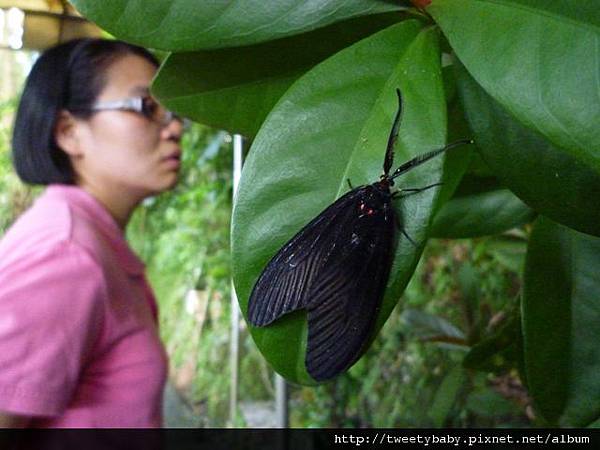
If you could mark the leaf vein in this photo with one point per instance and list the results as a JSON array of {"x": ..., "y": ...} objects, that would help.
[
  {"x": 548, "y": 113},
  {"x": 543, "y": 12}
]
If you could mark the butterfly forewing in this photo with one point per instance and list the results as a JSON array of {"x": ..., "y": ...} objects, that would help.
[{"x": 283, "y": 285}]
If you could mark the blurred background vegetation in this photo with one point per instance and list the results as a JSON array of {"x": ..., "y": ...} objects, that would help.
[{"x": 462, "y": 296}]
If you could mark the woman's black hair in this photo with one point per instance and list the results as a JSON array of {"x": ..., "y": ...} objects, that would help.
[{"x": 69, "y": 77}]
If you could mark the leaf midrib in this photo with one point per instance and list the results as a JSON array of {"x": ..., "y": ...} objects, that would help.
[{"x": 377, "y": 101}]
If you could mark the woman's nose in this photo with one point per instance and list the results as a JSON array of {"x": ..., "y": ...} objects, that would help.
[{"x": 173, "y": 129}]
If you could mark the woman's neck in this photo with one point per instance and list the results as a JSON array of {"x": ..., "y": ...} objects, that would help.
[{"x": 116, "y": 201}]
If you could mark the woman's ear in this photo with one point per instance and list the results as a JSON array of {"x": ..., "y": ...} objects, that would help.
[{"x": 66, "y": 134}]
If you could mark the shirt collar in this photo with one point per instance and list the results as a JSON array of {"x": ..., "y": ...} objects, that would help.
[{"x": 103, "y": 221}]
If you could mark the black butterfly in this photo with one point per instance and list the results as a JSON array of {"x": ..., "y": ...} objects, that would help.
[{"x": 337, "y": 268}]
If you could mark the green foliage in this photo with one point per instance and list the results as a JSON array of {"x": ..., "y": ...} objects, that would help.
[
  {"x": 551, "y": 181},
  {"x": 561, "y": 315},
  {"x": 522, "y": 53},
  {"x": 523, "y": 83},
  {"x": 184, "y": 25},
  {"x": 183, "y": 236},
  {"x": 14, "y": 196},
  {"x": 411, "y": 376},
  {"x": 235, "y": 88},
  {"x": 481, "y": 206}
]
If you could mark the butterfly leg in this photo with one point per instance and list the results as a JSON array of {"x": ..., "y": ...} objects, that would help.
[
  {"x": 349, "y": 184},
  {"x": 403, "y": 231},
  {"x": 412, "y": 191}
]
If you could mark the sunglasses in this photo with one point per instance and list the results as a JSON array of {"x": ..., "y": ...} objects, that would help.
[{"x": 144, "y": 105}]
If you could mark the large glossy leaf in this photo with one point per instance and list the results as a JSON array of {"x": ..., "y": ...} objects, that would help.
[
  {"x": 547, "y": 178},
  {"x": 331, "y": 125},
  {"x": 539, "y": 59},
  {"x": 458, "y": 159},
  {"x": 480, "y": 206},
  {"x": 185, "y": 25},
  {"x": 561, "y": 319},
  {"x": 235, "y": 88}
]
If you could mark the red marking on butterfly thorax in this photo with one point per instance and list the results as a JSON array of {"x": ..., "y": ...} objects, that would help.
[{"x": 368, "y": 209}]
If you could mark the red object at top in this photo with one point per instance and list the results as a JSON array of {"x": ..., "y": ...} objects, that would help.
[{"x": 421, "y": 3}]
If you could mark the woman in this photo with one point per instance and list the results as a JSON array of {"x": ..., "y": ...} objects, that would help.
[{"x": 79, "y": 345}]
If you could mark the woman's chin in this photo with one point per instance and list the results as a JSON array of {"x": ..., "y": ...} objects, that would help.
[{"x": 169, "y": 183}]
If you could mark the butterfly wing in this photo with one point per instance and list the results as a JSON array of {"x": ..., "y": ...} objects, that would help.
[
  {"x": 336, "y": 268},
  {"x": 284, "y": 283},
  {"x": 345, "y": 300}
]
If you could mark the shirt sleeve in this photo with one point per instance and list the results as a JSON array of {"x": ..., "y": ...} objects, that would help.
[{"x": 51, "y": 315}]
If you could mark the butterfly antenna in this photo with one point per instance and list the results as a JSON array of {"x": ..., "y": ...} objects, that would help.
[
  {"x": 389, "y": 152},
  {"x": 418, "y": 160}
]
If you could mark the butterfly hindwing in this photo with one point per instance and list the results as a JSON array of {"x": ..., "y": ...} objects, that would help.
[{"x": 345, "y": 300}]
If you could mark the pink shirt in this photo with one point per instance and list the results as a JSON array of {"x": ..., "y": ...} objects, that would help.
[{"x": 79, "y": 345}]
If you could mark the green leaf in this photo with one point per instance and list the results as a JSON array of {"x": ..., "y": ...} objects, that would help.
[
  {"x": 469, "y": 283},
  {"x": 446, "y": 395},
  {"x": 429, "y": 327},
  {"x": 561, "y": 319},
  {"x": 235, "y": 88},
  {"x": 544, "y": 176},
  {"x": 485, "y": 402},
  {"x": 508, "y": 251},
  {"x": 538, "y": 59},
  {"x": 478, "y": 167},
  {"x": 500, "y": 351},
  {"x": 595, "y": 424},
  {"x": 186, "y": 25},
  {"x": 458, "y": 159},
  {"x": 330, "y": 126},
  {"x": 480, "y": 206}
]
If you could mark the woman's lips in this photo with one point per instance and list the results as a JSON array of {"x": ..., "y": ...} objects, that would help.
[{"x": 173, "y": 160}]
